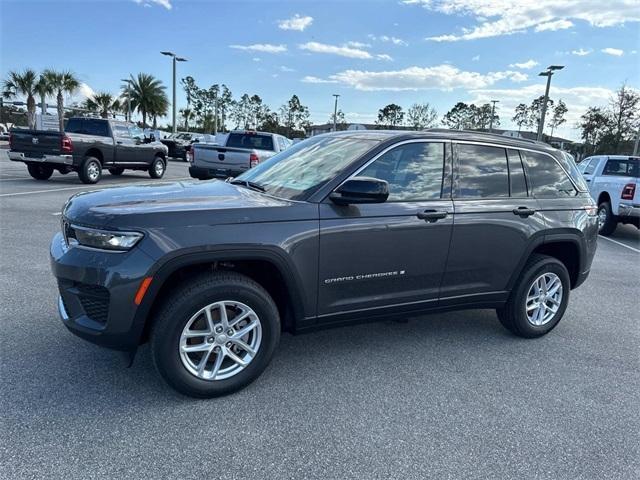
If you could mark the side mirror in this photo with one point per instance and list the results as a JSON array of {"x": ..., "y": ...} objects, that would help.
[
  {"x": 152, "y": 138},
  {"x": 361, "y": 190}
]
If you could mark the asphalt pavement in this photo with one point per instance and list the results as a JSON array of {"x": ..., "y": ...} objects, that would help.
[{"x": 443, "y": 396}]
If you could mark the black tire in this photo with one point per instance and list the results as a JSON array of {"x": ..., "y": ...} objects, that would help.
[
  {"x": 40, "y": 172},
  {"x": 178, "y": 309},
  {"x": 90, "y": 171},
  {"x": 116, "y": 171},
  {"x": 513, "y": 315},
  {"x": 610, "y": 223},
  {"x": 155, "y": 171}
]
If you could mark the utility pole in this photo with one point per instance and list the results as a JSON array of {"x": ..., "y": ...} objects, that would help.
[
  {"x": 335, "y": 113},
  {"x": 128, "y": 82},
  {"x": 175, "y": 59},
  {"x": 547, "y": 73},
  {"x": 493, "y": 111}
]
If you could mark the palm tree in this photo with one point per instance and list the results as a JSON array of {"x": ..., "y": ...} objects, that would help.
[
  {"x": 44, "y": 88},
  {"x": 62, "y": 82},
  {"x": 23, "y": 83},
  {"x": 188, "y": 115},
  {"x": 104, "y": 103},
  {"x": 148, "y": 96}
]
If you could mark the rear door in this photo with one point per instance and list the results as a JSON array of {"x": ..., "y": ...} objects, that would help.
[
  {"x": 495, "y": 218},
  {"x": 376, "y": 255}
]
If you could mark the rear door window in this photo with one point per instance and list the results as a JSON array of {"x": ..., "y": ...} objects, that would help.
[
  {"x": 547, "y": 178},
  {"x": 74, "y": 125},
  {"x": 517, "y": 181},
  {"x": 622, "y": 167},
  {"x": 482, "y": 172},
  {"x": 250, "y": 140},
  {"x": 96, "y": 127}
]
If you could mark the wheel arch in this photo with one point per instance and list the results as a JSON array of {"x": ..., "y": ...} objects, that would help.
[
  {"x": 95, "y": 152},
  {"x": 604, "y": 197},
  {"x": 263, "y": 266}
]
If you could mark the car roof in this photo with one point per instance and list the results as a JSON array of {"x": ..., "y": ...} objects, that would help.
[{"x": 439, "y": 133}]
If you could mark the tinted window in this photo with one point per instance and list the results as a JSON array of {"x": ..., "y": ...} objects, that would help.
[
  {"x": 569, "y": 164},
  {"x": 121, "y": 131},
  {"x": 516, "y": 175},
  {"x": 74, "y": 125},
  {"x": 482, "y": 172},
  {"x": 414, "y": 171},
  {"x": 624, "y": 167},
  {"x": 281, "y": 143},
  {"x": 587, "y": 166},
  {"x": 250, "y": 140},
  {"x": 96, "y": 127},
  {"x": 548, "y": 179}
]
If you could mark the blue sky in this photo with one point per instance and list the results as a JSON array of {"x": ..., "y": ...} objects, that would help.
[{"x": 370, "y": 52}]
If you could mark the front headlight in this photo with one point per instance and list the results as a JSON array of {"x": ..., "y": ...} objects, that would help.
[{"x": 105, "y": 240}]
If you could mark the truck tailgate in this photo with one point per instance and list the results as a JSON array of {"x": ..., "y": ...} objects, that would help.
[
  {"x": 36, "y": 143},
  {"x": 218, "y": 157}
]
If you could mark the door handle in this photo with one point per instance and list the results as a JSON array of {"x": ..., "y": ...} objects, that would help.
[
  {"x": 118, "y": 143},
  {"x": 588, "y": 179},
  {"x": 431, "y": 215},
  {"x": 523, "y": 211}
]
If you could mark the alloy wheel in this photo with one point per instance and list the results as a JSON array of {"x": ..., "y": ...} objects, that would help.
[{"x": 544, "y": 299}]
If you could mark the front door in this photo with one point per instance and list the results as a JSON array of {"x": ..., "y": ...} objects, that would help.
[{"x": 391, "y": 253}]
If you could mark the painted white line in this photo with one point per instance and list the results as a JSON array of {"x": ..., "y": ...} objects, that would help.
[
  {"x": 56, "y": 214},
  {"x": 89, "y": 187},
  {"x": 620, "y": 243}
]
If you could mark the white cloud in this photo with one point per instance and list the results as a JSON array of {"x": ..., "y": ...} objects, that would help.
[
  {"x": 476, "y": 58},
  {"x": 616, "y": 52},
  {"x": 358, "y": 44},
  {"x": 502, "y": 17},
  {"x": 312, "y": 79},
  {"x": 581, "y": 52},
  {"x": 256, "y": 59},
  {"x": 384, "y": 56},
  {"x": 296, "y": 22},
  {"x": 440, "y": 77},
  {"x": 85, "y": 91},
  {"x": 389, "y": 39},
  {"x": 284, "y": 68},
  {"x": 343, "y": 51},
  {"x": 553, "y": 25},
  {"x": 525, "y": 65},
  {"x": 147, "y": 3},
  {"x": 261, "y": 47},
  {"x": 578, "y": 99}
]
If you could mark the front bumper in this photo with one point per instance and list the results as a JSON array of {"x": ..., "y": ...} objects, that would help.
[
  {"x": 97, "y": 291},
  {"x": 58, "y": 159}
]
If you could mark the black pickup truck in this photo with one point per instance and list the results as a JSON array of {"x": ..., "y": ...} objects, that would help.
[{"x": 87, "y": 146}]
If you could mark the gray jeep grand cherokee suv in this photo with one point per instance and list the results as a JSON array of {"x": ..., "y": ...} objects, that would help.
[{"x": 344, "y": 227}]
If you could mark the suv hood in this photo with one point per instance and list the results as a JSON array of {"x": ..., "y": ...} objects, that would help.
[{"x": 187, "y": 203}]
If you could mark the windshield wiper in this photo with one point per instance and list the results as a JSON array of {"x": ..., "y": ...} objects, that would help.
[{"x": 248, "y": 184}]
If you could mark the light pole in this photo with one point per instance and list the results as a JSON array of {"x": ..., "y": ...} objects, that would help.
[
  {"x": 173, "y": 105},
  {"x": 547, "y": 73},
  {"x": 335, "y": 112},
  {"x": 128, "y": 82},
  {"x": 493, "y": 111}
]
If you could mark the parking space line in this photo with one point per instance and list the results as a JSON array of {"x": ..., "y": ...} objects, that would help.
[
  {"x": 15, "y": 194},
  {"x": 620, "y": 243}
]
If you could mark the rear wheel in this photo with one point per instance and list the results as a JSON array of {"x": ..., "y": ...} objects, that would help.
[
  {"x": 90, "y": 170},
  {"x": 40, "y": 172},
  {"x": 539, "y": 299},
  {"x": 157, "y": 168},
  {"x": 215, "y": 335},
  {"x": 606, "y": 219},
  {"x": 116, "y": 171}
]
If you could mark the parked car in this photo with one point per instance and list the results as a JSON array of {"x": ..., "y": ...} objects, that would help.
[
  {"x": 613, "y": 183},
  {"x": 87, "y": 146},
  {"x": 242, "y": 150},
  {"x": 343, "y": 227},
  {"x": 180, "y": 143}
]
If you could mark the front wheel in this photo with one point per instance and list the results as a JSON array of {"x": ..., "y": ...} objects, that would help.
[
  {"x": 40, "y": 172},
  {"x": 90, "y": 170},
  {"x": 539, "y": 299},
  {"x": 157, "y": 168},
  {"x": 606, "y": 219},
  {"x": 215, "y": 335}
]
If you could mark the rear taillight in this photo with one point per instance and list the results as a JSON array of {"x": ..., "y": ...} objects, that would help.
[
  {"x": 628, "y": 191},
  {"x": 66, "y": 145},
  {"x": 253, "y": 159},
  {"x": 10, "y": 141}
]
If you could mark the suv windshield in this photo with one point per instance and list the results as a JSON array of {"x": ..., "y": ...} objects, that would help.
[{"x": 302, "y": 169}]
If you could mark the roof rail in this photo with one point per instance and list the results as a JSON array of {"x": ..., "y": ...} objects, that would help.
[{"x": 485, "y": 134}]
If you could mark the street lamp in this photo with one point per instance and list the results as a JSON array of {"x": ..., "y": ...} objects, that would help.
[
  {"x": 547, "y": 73},
  {"x": 128, "y": 82},
  {"x": 493, "y": 111},
  {"x": 335, "y": 112},
  {"x": 175, "y": 59}
]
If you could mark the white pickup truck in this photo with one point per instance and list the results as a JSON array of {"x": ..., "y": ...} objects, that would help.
[
  {"x": 613, "y": 183},
  {"x": 242, "y": 150}
]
